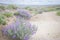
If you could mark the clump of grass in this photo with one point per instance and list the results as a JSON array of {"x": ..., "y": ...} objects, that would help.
[
  {"x": 16, "y": 13},
  {"x": 11, "y": 7},
  {"x": 8, "y": 14},
  {"x": 2, "y": 20},
  {"x": 2, "y": 7},
  {"x": 58, "y": 13}
]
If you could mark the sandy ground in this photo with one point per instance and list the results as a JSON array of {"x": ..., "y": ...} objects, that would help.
[{"x": 48, "y": 24}]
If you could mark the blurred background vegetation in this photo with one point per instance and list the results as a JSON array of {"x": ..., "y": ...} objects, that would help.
[
  {"x": 12, "y": 9},
  {"x": 33, "y": 9}
]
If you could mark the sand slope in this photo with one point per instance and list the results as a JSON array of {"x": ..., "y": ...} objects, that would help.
[{"x": 48, "y": 24}]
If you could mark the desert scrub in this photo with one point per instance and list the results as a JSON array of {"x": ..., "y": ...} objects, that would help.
[
  {"x": 21, "y": 30},
  {"x": 24, "y": 13},
  {"x": 34, "y": 12},
  {"x": 2, "y": 20},
  {"x": 16, "y": 13},
  {"x": 11, "y": 7},
  {"x": 58, "y": 13},
  {"x": 8, "y": 14},
  {"x": 28, "y": 8},
  {"x": 2, "y": 7}
]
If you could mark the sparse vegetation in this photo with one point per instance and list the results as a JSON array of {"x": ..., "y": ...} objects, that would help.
[
  {"x": 11, "y": 7},
  {"x": 8, "y": 14},
  {"x": 58, "y": 13},
  {"x": 16, "y": 13},
  {"x": 2, "y": 7},
  {"x": 2, "y": 20},
  {"x": 3, "y": 17},
  {"x": 21, "y": 29}
]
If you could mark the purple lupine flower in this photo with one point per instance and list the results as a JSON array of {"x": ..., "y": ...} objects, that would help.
[
  {"x": 24, "y": 13},
  {"x": 26, "y": 37},
  {"x": 19, "y": 29},
  {"x": 14, "y": 36}
]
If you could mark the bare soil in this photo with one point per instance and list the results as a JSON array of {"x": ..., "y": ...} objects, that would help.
[{"x": 48, "y": 24}]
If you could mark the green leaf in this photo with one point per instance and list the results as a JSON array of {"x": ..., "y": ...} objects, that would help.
[{"x": 10, "y": 32}]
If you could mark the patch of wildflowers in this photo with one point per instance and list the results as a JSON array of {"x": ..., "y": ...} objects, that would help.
[{"x": 19, "y": 29}]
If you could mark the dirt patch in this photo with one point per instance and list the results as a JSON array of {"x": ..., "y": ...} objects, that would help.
[{"x": 48, "y": 24}]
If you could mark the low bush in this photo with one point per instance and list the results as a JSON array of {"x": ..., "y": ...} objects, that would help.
[
  {"x": 2, "y": 7},
  {"x": 21, "y": 30},
  {"x": 2, "y": 20},
  {"x": 11, "y": 7},
  {"x": 24, "y": 13},
  {"x": 8, "y": 14},
  {"x": 58, "y": 13},
  {"x": 16, "y": 13}
]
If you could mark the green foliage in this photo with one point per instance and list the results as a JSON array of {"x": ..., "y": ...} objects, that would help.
[
  {"x": 10, "y": 32},
  {"x": 58, "y": 13},
  {"x": 50, "y": 9},
  {"x": 47, "y": 9},
  {"x": 8, "y": 14},
  {"x": 2, "y": 20},
  {"x": 2, "y": 7},
  {"x": 11, "y": 7},
  {"x": 20, "y": 29},
  {"x": 29, "y": 8},
  {"x": 16, "y": 13},
  {"x": 3, "y": 17},
  {"x": 34, "y": 12},
  {"x": 58, "y": 8}
]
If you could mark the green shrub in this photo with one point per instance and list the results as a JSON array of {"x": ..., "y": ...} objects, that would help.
[
  {"x": 2, "y": 20},
  {"x": 16, "y": 13},
  {"x": 29, "y": 8},
  {"x": 34, "y": 12},
  {"x": 8, "y": 14},
  {"x": 2, "y": 7},
  {"x": 19, "y": 30},
  {"x": 11, "y": 7},
  {"x": 58, "y": 13}
]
